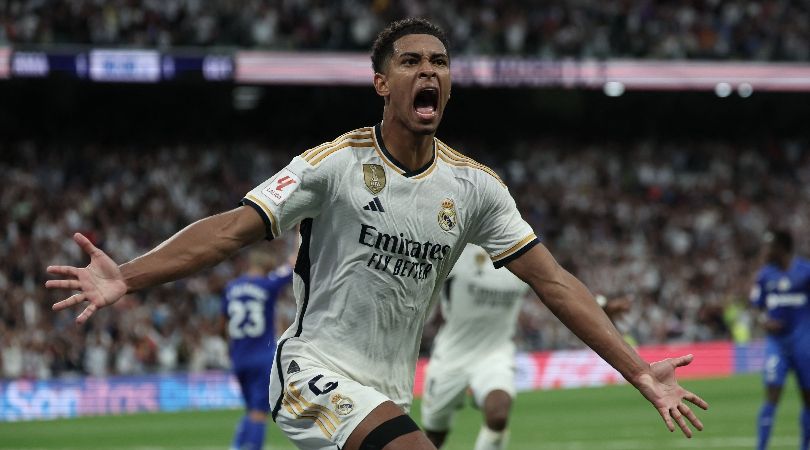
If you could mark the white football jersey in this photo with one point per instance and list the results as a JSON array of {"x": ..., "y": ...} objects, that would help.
[
  {"x": 480, "y": 306},
  {"x": 377, "y": 242}
]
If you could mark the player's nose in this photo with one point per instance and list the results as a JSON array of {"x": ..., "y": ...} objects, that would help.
[{"x": 426, "y": 69}]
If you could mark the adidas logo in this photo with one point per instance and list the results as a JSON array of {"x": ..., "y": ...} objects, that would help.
[
  {"x": 374, "y": 205},
  {"x": 293, "y": 368}
]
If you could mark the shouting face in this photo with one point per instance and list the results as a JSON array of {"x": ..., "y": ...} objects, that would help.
[{"x": 416, "y": 83}]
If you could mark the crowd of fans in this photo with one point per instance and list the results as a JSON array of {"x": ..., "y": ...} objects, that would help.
[
  {"x": 736, "y": 29},
  {"x": 674, "y": 225}
]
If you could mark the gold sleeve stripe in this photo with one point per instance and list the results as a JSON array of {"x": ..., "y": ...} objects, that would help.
[
  {"x": 515, "y": 247},
  {"x": 361, "y": 134},
  {"x": 359, "y": 131},
  {"x": 458, "y": 157},
  {"x": 349, "y": 139},
  {"x": 318, "y": 421},
  {"x": 325, "y": 153},
  {"x": 457, "y": 163},
  {"x": 455, "y": 154},
  {"x": 296, "y": 394},
  {"x": 463, "y": 158},
  {"x": 273, "y": 222}
]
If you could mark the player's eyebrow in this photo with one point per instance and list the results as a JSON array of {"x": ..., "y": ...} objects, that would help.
[{"x": 419, "y": 55}]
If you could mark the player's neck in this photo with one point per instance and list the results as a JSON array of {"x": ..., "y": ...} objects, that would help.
[
  {"x": 255, "y": 272},
  {"x": 782, "y": 261},
  {"x": 411, "y": 150}
]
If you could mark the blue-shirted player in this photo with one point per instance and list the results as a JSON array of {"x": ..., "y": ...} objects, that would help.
[
  {"x": 249, "y": 308},
  {"x": 781, "y": 292}
]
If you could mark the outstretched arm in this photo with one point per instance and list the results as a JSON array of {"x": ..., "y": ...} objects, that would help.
[
  {"x": 574, "y": 305},
  {"x": 201, "y": 244}
]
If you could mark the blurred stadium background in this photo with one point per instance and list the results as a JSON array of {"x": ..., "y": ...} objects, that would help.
[{"x": 650, "y": 143}]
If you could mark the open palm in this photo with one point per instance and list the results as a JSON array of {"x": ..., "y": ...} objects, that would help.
[
  {"x": 99, "y": 284},
  {"x": 668, "y": 397}
]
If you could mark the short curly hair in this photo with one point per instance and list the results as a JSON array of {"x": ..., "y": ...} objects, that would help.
[
  {"x": 781, "y": 238},
  {"x": 383, "y": 46}
]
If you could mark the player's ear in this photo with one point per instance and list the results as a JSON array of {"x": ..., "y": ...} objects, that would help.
[{"x": 381, "y": 84}]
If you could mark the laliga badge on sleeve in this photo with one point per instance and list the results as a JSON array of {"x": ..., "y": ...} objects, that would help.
[{"x": 281, "y": 186}]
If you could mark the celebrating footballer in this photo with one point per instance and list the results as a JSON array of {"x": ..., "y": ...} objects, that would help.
[{"x": 384, "y": 212}]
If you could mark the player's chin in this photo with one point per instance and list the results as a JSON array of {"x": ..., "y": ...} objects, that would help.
[{"x": 426, "y": 125}]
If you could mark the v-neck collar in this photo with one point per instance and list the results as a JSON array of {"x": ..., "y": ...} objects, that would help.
[{"x": 404, "y": 170}]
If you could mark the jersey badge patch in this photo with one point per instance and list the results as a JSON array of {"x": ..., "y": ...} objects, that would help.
[
  {"x": 374, "y": 176},
  {"x": 447, "y": 215},
  {"x": 343, "y": 405},
  {"x": 784, "y": 284},
  {"x": 280, "y": 188}
]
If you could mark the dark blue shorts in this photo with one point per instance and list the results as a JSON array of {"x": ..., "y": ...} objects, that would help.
[
  {"x": 255, "y": 384},
  {"x": 781, "y": 357}
]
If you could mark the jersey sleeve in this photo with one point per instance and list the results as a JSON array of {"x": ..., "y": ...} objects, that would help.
[
  {"x": 500, "y": 229},
  {"x": 297, "y": 192},
  {"x": 278, "y": 278},
  {"x": 757, "y": 295}
]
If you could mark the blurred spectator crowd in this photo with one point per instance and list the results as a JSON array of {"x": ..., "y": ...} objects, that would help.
[
  {"x": 674, "y": 225},
  {"x": 671, "y": 29}
]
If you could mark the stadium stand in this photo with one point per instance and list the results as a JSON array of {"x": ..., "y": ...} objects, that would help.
[
  {"x": 739, "y": 29},
  {"x": 673, "y": 223}
]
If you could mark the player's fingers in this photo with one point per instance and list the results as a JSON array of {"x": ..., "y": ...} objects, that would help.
[
  {"x": 69, "y": 271},
  {"x": 690, "y": 415},
  {"x": 683, "y": 360},
  {"x": 679, "y": 419},
  {"x": 68, "y": 302},
  {"x": 85, "y": 244},
  {"x": 63, "y": 284},
  {"x": 695, "y": 400},
  {"x": 82, "y": 318},
  {"x": 667, "y": 420}
]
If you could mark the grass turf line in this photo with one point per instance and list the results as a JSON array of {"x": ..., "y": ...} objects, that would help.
[{"x": 609, "y": 418}]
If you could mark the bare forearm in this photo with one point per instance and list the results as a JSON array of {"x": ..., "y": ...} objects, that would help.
[
  {"x": 576, "y": 308},
  {"x": 198, "y": 246},
  {"x": 574, "y": 305}
]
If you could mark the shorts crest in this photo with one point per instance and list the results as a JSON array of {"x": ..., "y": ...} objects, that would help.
[{"x": 343, "y": 404}]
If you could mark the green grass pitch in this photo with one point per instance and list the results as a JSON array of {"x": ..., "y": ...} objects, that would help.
[{"x": 609, "y": 418}]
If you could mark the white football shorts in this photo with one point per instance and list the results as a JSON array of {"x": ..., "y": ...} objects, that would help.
[
  {"x": 319, "y": 408},
  {"x": 445, "y": 390}
]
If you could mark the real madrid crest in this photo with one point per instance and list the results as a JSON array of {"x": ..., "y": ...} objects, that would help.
[
  {"x": 447, "y": 215},
  {"x": 374, "y": 176},
  {"x": 343, "y": 405}
]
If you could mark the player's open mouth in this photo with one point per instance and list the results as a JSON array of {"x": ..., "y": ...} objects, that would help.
[{"x": 426, "y": 103}]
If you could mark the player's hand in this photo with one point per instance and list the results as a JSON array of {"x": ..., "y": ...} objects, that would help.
[
  {"x": 662, "y": 390},
  {"x": 617, "y": 306},
  {"x": 100, "y": 283}
]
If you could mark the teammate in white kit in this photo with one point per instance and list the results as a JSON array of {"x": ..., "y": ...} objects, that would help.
[
  {"x": 385, "y": 211},
  {"x": 474, "y": 348}
]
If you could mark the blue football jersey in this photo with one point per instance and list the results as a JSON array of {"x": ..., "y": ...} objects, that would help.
[
  {"x": 249, "y": 305},
  {"x": 784, "y": 295}
]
